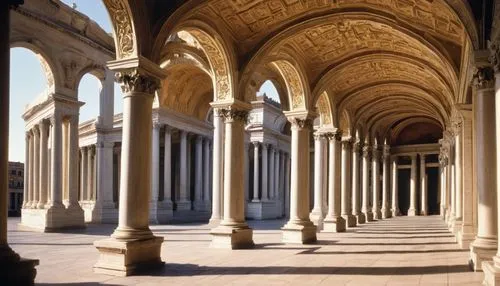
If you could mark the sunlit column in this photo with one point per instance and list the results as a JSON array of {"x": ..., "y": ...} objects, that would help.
[
  {"x": 155, "y": 173},
  {"x": 198, "y": 187},
  {"x": 167, "y": 176},
  {"x": 31, "y": 164},
  {"x": 333, "y": 220},
  {"x": 90, "y": 172},
  {"x": 299, "y": 229},
  {"x": 377, "y": 214},
  {"x": 270, "y": 177},
  {"x": 356, "y": 198},
  {"x": 386, "y": 212},
  {"x": 316, "y": 215},
  {"x": 412, "y": 211},
  {"x": 233, "y": 232},
  {"x": 218, "y": 163},
  {"x": 265, "y": 151},
  {"x": 276, "y": 174},
  {"x": 394, "y": 185},
  {"x": 423, "y": 186},
  {"x": 366, "y": 208},
  {"x": 83, "y": 175},
  {"x": 256, "y": 171},
  {"x": 43, "y": 187},
  {"x": 73, "y": 145},
  {"x": 457, "y": 128},
  {"x": 36, "y": 166},
  {"x": 56, "y": 163},
  {"x": 26, "y": 170},
  {"x": 345, "y": 182},
  {"x": 206, "y": 172}
]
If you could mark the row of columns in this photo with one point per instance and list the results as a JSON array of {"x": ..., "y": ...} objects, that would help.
[{"x": 271, "y": 169}]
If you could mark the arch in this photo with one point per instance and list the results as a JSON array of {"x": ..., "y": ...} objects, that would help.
[
  {"x": 345, "y": 123},
  {"x": 324, "y": 108},
  {"x": 123, "y": 28},
  {"x": 45, "y": 60},
  {"x": 202, "y": 36},
  {"x": 296, "y": 84}
]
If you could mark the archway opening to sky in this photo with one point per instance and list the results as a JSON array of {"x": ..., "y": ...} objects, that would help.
[
  {"x": 27, "y": 82},
  {"x": 269, "y": 90}
]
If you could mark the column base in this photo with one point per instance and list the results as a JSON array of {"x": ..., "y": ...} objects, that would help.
[
  {"x": 491, "y": 272},
  {"x": 335, "y": 224},
  {"x": 395, "y": 212},
  {"x": 125, "y": 258},
  {"x": 350, "y": 220},
  {"x": 377, "y": 214},
  {"x": 183, "y": 205},
  {"x": 369, "y": 216},
  {"x": 214, "y": 221},
  {"x": 97, "y": 212},
  {"x": 386, "y": 213},
  {"x": 52, "y": 219},
  {"x": 15, "y": 270},
  {"x": 412, "y": 212},
  {"x": 442, "y": 212},
  {"x": 452, "y": 225},
  {"x": 457, "y": 228},
  {"x": 482, "y": 250},
  {"x": 466, "y": 236},
  {"x": 299, "y": 232},
  {"x": 360, "y": 218},
  {"x": 317, "y": 219},
  {"x": 238, "y": 236}
]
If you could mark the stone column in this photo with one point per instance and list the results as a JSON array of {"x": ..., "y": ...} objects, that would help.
[
  {"x": 218, "y": 163},
  {"x": 31, "y": 164},
  {"x": 452, "y": 188},
  {"x": 43, "y": 187},
  {"x": 246, "y": 163},
  {"x": 466, "y": 234},
  {"x": 132, "y": 244},
  {"x": 105, "y": 207},
  {"x": 55, "y": 203},
  {"x": 265, "y": 151},
  {"x": 386, "y": 212},
  {"x": 90, "y": 173},
  {"x": 458, "y": 176},
  {"x": 206, "y": 172},
  {"x": 167, "y": 176},
  {"x": 233, "y": 232},
  {"x": 276, "y": 174},
  {"x": 106, "y": 100},
  {"x": 316, "y": 215},
  {"x": 333, "y": 221},
  {"x": 183, "y": 203},
  {"x": 356, "y": 211},
  {"x": 282, "y": 183},
  {"x": 198, "y": 188},
  {"x": 83, "y": 175},
  {"x": 155, "y": 174},
  {"x": 345, "y": 183},
  {"x": 36, "y": 166},
  {"x": 412, "y": 211},
  {"x": 26, "y": 170},
  {"x": 366, "y": 208},
  {"x": 73, "y": 205},
  {"x": 13, "y": 269},
  {"x": 255, "y": 172},
  {"x": 423, "y": 186},
  {"x": 299, "y": 229},
  {"x": 484, "y": 84},
  {"x": 287, "y": 185},
  {"x": 377, "y": 214},
  {"x": 394, "y": 185},
  {"x": 270, "y": 177}
]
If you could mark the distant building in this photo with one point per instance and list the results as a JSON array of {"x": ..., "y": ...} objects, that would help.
[{"x": 16, "y": 187}]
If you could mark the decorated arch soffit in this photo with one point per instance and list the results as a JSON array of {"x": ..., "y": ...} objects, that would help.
[
  {"x": 295, "y": 82},
  {"x": 218, "y": 53},
  {"x": 124, "y": 29},
  {"x": 324, "y": 109}
]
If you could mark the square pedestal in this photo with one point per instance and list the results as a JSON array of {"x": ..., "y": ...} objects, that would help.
[
  {"x": 360, "y": 218},
  {"x": 369, "y": 216},
  {"x": 124, "y": 258},
  {"x": 52, "y": 219},
  {"x": 412, "y": 212},
  {"x": 337, "y": 224},
  {"x": 350, "y": 220},
  {"x": 491, "y": 274},
  {"x": 232, "y": 237},
  {"x": 299, "y": 233},
  {"x": 479, "y": 255}
]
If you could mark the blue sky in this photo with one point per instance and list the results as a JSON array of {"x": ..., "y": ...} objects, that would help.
[{"x": 27, "y": 81}]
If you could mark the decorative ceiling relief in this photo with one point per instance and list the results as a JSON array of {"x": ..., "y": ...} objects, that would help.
[{"x": 294, "y": 83}]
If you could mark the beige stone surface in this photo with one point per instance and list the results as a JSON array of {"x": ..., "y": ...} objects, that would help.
[{"x": 398, "y": 251}]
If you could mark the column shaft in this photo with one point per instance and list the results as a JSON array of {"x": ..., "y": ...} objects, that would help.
[
  {"x": 73, "y": 165},
  {"x": 183, "y": 203},
  {"x": 356, "y": 198},
  {"x": 198, "y": 188},
  {"x": 167, "y": 177},
  {"x": 206, "y": 172},
  {"x": 26, "y": 169},
  {"x": 386, "y": 213},
  {"x": 218, "y": 162},
  {"x": 366, "y": 208},
  {"x": 56, "y": 162},
  {"x": 345, "y": 182},
  {"x": 43, "y": 187},
  {"x": 36, "y": 167},
  {"x": 412, "y": 211},
  {"x": 333, "y": 220},
  {"x": 423, "y": 186},
  {"x": 256, "y": 172},
  {"x": 377, "y": 214},
  {"x": 265, "y": 152},
  {"x": 155, "y": 173},
  {"x": 83, "y": 176},
  {"x": 394, "y": 186},
  {"x": 90, "y": 173}
]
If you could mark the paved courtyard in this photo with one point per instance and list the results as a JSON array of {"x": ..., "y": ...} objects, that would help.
[{"x": 400, "y": 251}]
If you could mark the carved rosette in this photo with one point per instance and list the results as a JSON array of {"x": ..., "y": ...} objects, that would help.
[
  {"x": 484, "y": 77},
  {"x": 234, "y": 115},
  {"x": 134, "y": 81}
]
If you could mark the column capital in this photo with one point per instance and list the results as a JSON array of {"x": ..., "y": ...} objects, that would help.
[
  {"x": 301, "y": 123},
  {"x": 386, "y": 152},
  {"x": 333, "y": 136},
  {"x": 366, "y": 151},
  {"x": 319, "y": 136},
  {"x": 232, "y": 115},
  {"x": 83, "y": 150},
  {"x": 413, "y": 157},
  {"x": 199, "y": 139},
  {"x": 256, "y": 144},
  {"x": 156, "y": 125},
  {"x": 422, "y": 158},
  {"x": 346, "y": 142},
  {"x": 484, "y": 77},
  {"x": 168, "y": 128},
  {"x": 134, "y": 80},
  {"x": 356, "y": 146}
]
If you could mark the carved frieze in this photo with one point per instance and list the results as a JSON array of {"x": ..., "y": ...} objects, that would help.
[
  {"x": 134, "y": 81},
  {"x": 123, "y": 27},
  {"x": 294, "y": 82}
]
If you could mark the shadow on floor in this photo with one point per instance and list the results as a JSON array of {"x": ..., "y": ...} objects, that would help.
[
  {"x": 49, "y": 244},
  {"x": 313, "y": 251},
  {"x": 196, "y": 270},
  {"x": 79, "y": 284},
  {"x": 402, "y": 232}
]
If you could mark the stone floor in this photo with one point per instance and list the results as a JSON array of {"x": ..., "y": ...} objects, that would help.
[{"x": 400, "y": 251}]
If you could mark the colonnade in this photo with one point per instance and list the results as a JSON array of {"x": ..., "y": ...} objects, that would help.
[{"x": 52, "y": 179}]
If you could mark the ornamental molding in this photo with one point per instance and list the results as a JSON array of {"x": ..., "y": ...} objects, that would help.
[
  {"x": 301, "y": 123},
  {"x": 122, "y": 24},
  {"x": 135, "y": 81},
  {"x": 231, "y": 115}
]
